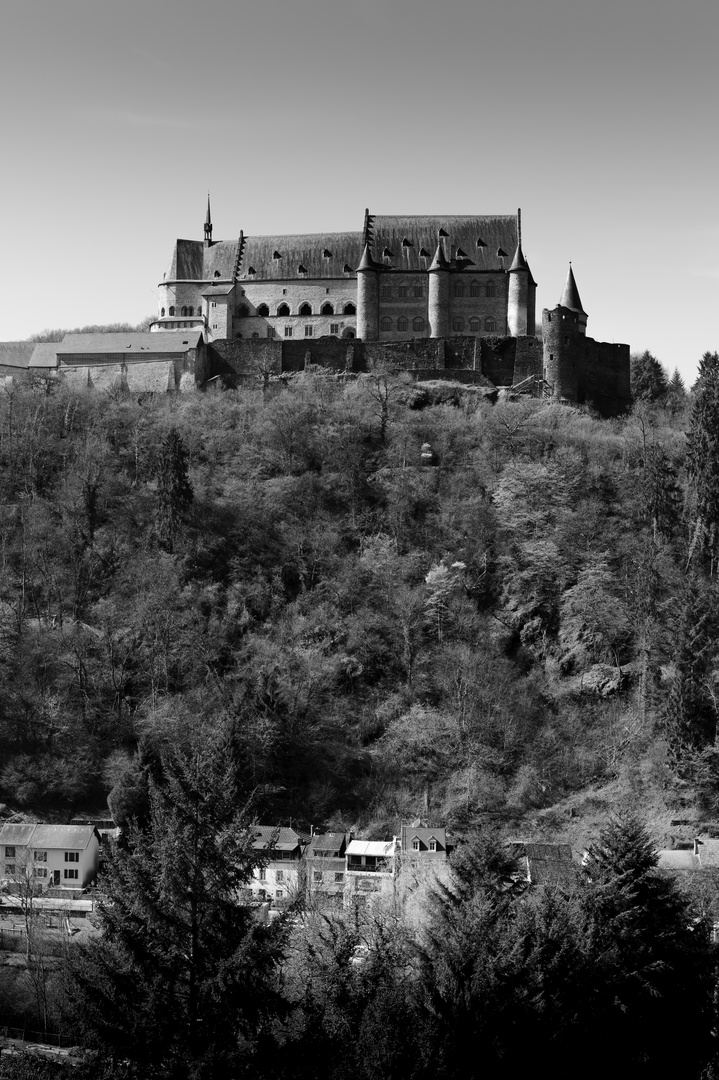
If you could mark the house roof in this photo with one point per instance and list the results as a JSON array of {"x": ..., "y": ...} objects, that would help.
[
  {"x": 44, "y": 354},
  {"x": 16, "y": 353},
  {"x": 48, "y": 836},
  {"x": 307, "y": 250},
  {"x": 332, "y": 841},
  {"x": 275, "y": 839},
  {"x": 671, "y": 859},
  {"x": 129, "y": 342},
  {"x": 378, "y": 848},
  {"x": 424, "y": 834},
  {"x": 480, "y": 238}
]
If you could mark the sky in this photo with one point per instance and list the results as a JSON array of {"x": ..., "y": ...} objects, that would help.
[{"x": 596, "y": 117}]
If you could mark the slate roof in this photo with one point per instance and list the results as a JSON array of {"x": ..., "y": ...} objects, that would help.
[
  {"x": 129, "y": 342},
  {"x": 326, "y": 842},
  {"x": 16, "y": 353},
  {"x": 305, "y": 250},
  {"x": 44, "y": 354},
  {"x": 75, "y": 837},
  {"x": 192, "y": 261},
  {"x": 479, "y": 238},
  {"x": 274, "y": 839},
  {"x": 547, "y": 864},
  {"x": 570, "y": 295}
]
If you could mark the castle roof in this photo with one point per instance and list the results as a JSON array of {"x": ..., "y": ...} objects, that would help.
[
  {"x": 16, "y": 353},
  {"x": 193, "y": 260},
  {"x": 439, "y": 262},
  {"x": 570, "y": 296},
  {"x": 479, "y": 238},
  {"x": 130, "y": 342},
  {"x": 519, "y": 262},
  {"x": 44, "y": 355},
  {"x": 273, "y": 257}
]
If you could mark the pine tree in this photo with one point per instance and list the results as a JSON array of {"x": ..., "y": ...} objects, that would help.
[
  {"x": 703, "y": 461},
  {"x": 174, "y": 491},
  {"x": 647, "y": 378},
  {"x": 691, "y": 710},
  {"x": 182, "y": 979}
]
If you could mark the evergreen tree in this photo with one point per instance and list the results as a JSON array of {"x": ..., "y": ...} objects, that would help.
[
  {"x": 182, "y": 980},
  {"x": 691, "y": 709},
  {"x": 174, "y": 491},
  {"x": 703, "y": 460},
  {"x": 647, "y": 378}
]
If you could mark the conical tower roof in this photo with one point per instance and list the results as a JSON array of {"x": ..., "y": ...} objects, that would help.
[
  {"x": 570, "y": 296},
  {"x": 439, "y": 262},
  {"x": 367, "y": 262},
  {"x": 519, "y": 262}
]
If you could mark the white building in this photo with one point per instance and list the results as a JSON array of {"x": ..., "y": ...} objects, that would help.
[{"x": 50, "y": 856}]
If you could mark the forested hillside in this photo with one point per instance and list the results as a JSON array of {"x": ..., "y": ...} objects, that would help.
[{"x": 514, "y": 621}]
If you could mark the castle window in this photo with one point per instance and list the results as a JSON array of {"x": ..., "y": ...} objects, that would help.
[
  {"x": 263, "y": 310},
  {"x": 172, "y": 312},
  {"x": 251, "y": 271},
  {"x": 490, "y": 290},
  {"x": 403, "y": 291},
  {"x": 309, "y": 331},
  {"x": 183, "y": 311},
  {"x": 474, "y": 325},
  {"x": 350, "y": 309},
  {"x": 217, "y": 273},
  {"x": 270, "y": 333},
  {"x": 474, "y": 290},
  {"x": 490, "y": 324},
  {"x": 327, "y": 309},
  {"x": 387, "y": 254},
  {"x": 305, "y": 309},
  {"x": 334, "y": 328},
  {"x": 276, "y": 255},
  {"x": 402, "y": 323},
  {"x": 302, "y": 270},
  {"x": 326, "y": 254},
  {"x": 458, "y": 325},
  {"x": 386, "y": 324},
  {"x": 347, "y": 269},
  {"x": 190, "y": 311},
  {"x": 283, "y": 310},
  {"x": 288, "y": 331},
  {"x": 162, "y": 312},
  {"x": 243, "y": 311},
  {"x": 407, "y": 243},
  {"x": 459, "y": 290},
  {"x": 419, "y": 290},
  {"x": 418, "y": 325},
  {"x": 386, "y": 292}
]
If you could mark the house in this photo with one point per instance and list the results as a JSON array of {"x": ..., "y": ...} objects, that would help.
[
  {"x": 421, "y": 845},
  {"x": 371, "y": 868},
  {"x": 48, "y": 856},
  {"x": 281, "y": 875},
  {"x": 543, "y": 864},
  {"x": 326, "y": 867}
]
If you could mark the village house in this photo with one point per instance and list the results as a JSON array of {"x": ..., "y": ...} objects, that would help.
[
  {"x": 282, "y": 873},
  {"x": 421, "y": 845},
  {"x": 48, "y": 856},
  {"x": 371, "y": 868},
  {"x": 326, "y": 868}
]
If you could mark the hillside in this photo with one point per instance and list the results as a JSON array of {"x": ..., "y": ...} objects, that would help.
[{"x": 487, "y": 628}]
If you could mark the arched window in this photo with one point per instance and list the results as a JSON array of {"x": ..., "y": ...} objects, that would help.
[
  {"x": 327, "y": 309},
  {"x": 418, "y": 324},
  {"x": 474, "y": 290},
  {"x": 243, "y": 311},
  {"x": 191, "y": 311},
  {"x": 459, "y": 290},
  {"x": 402, "y": 323},
  {"x": 172, "y": 312},
  {"x": 283, "y": 309},
  {"x": 183, "y": 312},
  {"x": 348, "y": 333},
  {"x": 491, "y": 290},
  {"x": 474, "y": 325},
  {"x": 458, "y": 325},
  {"x": 305, "y": 309},
  {"x": 263, "y": 310},
  {"x": 217, "y": 273},
  {"x": 162, "y": 312},
  {"x": 490, "y": 324},
  {"x": 350, "y": 309},
  {"x": 386, "y": 324}
]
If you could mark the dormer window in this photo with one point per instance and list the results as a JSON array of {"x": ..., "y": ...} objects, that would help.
[
  {"x": 443, "y": 232},
  {"x": 415, "y": 843},
  {"x": 424, "y": 254},
  {"x": 326, "y": 254},
  {"x": 432, "y": 844},
  {"x": 387, "y": 254},
  {"x": 407, "y": 243},
  {"x": 347, "y": 269},
  {"x": 251, "y": 271},
  {"x": 276, "y": 255},
  {"x": 217, "y": 273},
  {"x": 302, "y": 270},
  {"x": 502, "y": 254},
  {"x": 480, "y": 242}
]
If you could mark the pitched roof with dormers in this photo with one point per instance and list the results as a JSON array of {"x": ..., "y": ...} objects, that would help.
[
  {"x": 261, "y": 253},
  {"x": 193, "y": 260},
  {"x": 479, "y": 239}
]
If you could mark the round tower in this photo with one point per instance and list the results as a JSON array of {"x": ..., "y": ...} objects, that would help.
[
  {"x": 367, "y": 297},
  {"x": 563, "y": 332},
  {"x": 521, "y": 292},
  {"x": 438, "y": 295}
]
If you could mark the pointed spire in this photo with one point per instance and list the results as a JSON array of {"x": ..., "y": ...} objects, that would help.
[
  {"x": 570, "y": 296},
  {"x": 208, "y": 222},
  {"x": 367, "y": 262},
  {"x": 519, "y": 262},
  {"x": 439, "y": 262}
]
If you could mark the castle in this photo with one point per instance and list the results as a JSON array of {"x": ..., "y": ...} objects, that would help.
[{"x": 439, "y": 294}]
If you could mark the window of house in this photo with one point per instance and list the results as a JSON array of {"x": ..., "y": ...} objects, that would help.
[
  {"x": 490, "y": 324},
  {"x": 458, "y": 325},
  {"x": 386, "y": 292},
  {"x": 283, "y": 310},
  {"x": 402, "y": 323},
  {"x": 172, "y": 312},
  {"x": 474, "y": 325},
  {"x": 72, "y": 856},
  {"x": 350, "y": 309},
  {"x": 415, "y": 844},
  {"x": 458, "y": 290},
  {"x": 10, "y": 868},
  {"x": 305, "y": 309},
  {"x": 279, "y": 894},
  {"x": 190, "y": 311},
  {"x": 334, "y": 328},
  {"x": 263, "y": 310},
  {"x": 386, "y": 324},
  {"x": 433, "y": 844},
  {"x": 418, "y": 324},
  {"x": 262, "y": 895},
  {"x": 40, "y": 871},
  {"x": 280, "y": 875},
  {"x": 71, "y": 875},
  {"x": 490, "y": 290},
  {"x": 162, "y": 312},
  {"x": 271, "y": 332},
  {"x": 474, "y": 290},
  {"x": 339, "y": 876},
  {"x": 317, "y": 875},
  {"x": 213, "y": 304},
  {"x": 9, "y": 852},
  {"x": 419, "y": 290},
  {"x": 288, "y": 331},
  {"x": 327, "y": 309},
  {"x": 39, "y": 856},
  {"x": 263, "y": 873},
  {"x": 403, "y": 291},
  {"x": 309, "y": 331}
]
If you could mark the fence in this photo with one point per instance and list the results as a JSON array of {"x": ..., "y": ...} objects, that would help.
[
  {"x": 47, "y": 1038},
  {"x": 15, "y": 940}
]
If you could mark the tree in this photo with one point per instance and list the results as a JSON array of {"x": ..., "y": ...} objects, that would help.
[
  {"x": 647, "y": 378},
  {"x": 703, "y": 461},
  {"x": 691, "y": 705},
  {"x": 677, "y": 393},
  {"x": 174, "y": 491},
  {"x": 183, "y": 978}
]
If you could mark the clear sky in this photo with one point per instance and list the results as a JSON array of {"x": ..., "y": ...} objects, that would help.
[{"x": 597, "y": 117}]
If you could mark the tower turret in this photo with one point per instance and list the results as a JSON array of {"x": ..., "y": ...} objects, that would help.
[
  {"x": 521, "y": 292},
  {"x": 570, "y": 299},
  {"x": 368, "y": 297},
  {"x": 438, "y": 294},
  {"x": 208, "y": 223}
]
